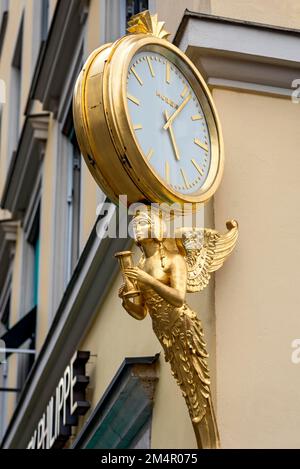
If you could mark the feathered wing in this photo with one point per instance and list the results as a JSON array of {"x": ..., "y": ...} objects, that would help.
[{"x": 205, "y": 251}]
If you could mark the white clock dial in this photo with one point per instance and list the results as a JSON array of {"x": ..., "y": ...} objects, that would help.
[{"x": 168, "y": 122}]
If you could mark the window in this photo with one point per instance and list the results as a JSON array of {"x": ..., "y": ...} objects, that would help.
[
  {"x": 31, "y": 250},
  {"x": 36, "y": 254},
  {"x": 143, "y": 439},
  {"x": 135, "y": 6},
  {"x": 3, "y": 7},
  {"x": 44, "y": 19},
  {"x": 3, "y": 21},
  {"x": 5, "y": 316},
  {"x": 67, "y": 226},
  {"x": 15, "y": 91},
  {"x": 5, "y": 298},
  {"x": 8, "y": 233},
  {"x": 129, "y": 8},
  {"x": 5, "y": 301},
  {"x": 73, "y": 201},
  {"x": 32, "y": 234}
]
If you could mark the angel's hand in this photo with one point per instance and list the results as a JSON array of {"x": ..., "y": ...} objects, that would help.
[
  {"x": 137, "y": 311},
  {"x": 121, "y": 291},
  {"x": 126, "y": 303},
  {"x": 135, "y": 273}
]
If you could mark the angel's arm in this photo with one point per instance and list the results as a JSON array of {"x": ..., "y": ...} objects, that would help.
[{"x": 173, "y": 294}]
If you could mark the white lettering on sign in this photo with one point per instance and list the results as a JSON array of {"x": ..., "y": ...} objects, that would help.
[{"x": 64, "y": 407}]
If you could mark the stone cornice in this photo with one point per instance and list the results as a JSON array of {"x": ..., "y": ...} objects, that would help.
[{"x": 241, "y": 55}]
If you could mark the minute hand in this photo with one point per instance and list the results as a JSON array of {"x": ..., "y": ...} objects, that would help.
[{"x": 175, "y": 114}]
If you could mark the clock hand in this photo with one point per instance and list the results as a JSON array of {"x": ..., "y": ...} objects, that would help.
[
  {"x": 175, "y": 114},
  {"x": 172, "y": 138}
]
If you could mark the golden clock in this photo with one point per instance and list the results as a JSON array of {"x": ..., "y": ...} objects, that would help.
[{"x": 145, "y": 120}]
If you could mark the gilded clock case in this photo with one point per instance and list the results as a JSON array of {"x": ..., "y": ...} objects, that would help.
[{"x": 106, "y": 138}]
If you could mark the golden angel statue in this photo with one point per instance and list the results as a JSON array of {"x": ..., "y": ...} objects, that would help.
[{"x": 167, "y": 270}]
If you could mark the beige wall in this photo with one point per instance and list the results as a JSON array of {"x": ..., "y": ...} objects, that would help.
[
  {"x": 52, "y": 5},
  {"x": 47, "y": 237},
  {"x": 275, "y": 12},
  {"x": 5, "y": 74},
  {"x": 172, "y": 11},
  {"x": 257, "y": 296},
  {"x": 14, "y": 318}
]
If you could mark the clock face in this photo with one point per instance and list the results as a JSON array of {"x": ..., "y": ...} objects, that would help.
[{"x": 168, "y": 122}]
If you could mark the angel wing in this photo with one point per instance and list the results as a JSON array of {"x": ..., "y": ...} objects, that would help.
[{"x": 205, "y": 251}]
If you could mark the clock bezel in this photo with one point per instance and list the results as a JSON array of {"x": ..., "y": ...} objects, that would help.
[{"x": 151, "y": 185}]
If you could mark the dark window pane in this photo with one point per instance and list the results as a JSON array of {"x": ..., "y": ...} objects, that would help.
[
  {"x": 44, "y": 25},
  {"x": 133, "y": 7},
  {"x": 5, "y": 316}
]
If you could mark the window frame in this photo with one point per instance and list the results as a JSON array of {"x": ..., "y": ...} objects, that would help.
[
  {"x": 4, "y": 9},
  {"x": 6, "y": 294},
  {"x": 31, "y": 229},
  {"x": 73, "y": 204},
  {"x": 15, "y": 92}
]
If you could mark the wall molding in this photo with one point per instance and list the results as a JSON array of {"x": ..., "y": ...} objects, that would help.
[
  {"x": 57, "y": 53},
  {"x": 25, "y": 165},
  {"x": 241, "y": 55}
]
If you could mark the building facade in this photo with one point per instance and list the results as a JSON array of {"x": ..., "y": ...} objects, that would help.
[{"x": 62, "y": 322}]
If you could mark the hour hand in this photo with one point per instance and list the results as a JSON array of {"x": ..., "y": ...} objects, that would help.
[{"x": 170, "y": 128}]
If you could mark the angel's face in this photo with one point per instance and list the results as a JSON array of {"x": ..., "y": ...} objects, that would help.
[{"x": 142, "y": 228}]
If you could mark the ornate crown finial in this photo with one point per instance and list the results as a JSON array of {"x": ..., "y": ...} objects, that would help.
[{"x": 146, "y": 24}]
